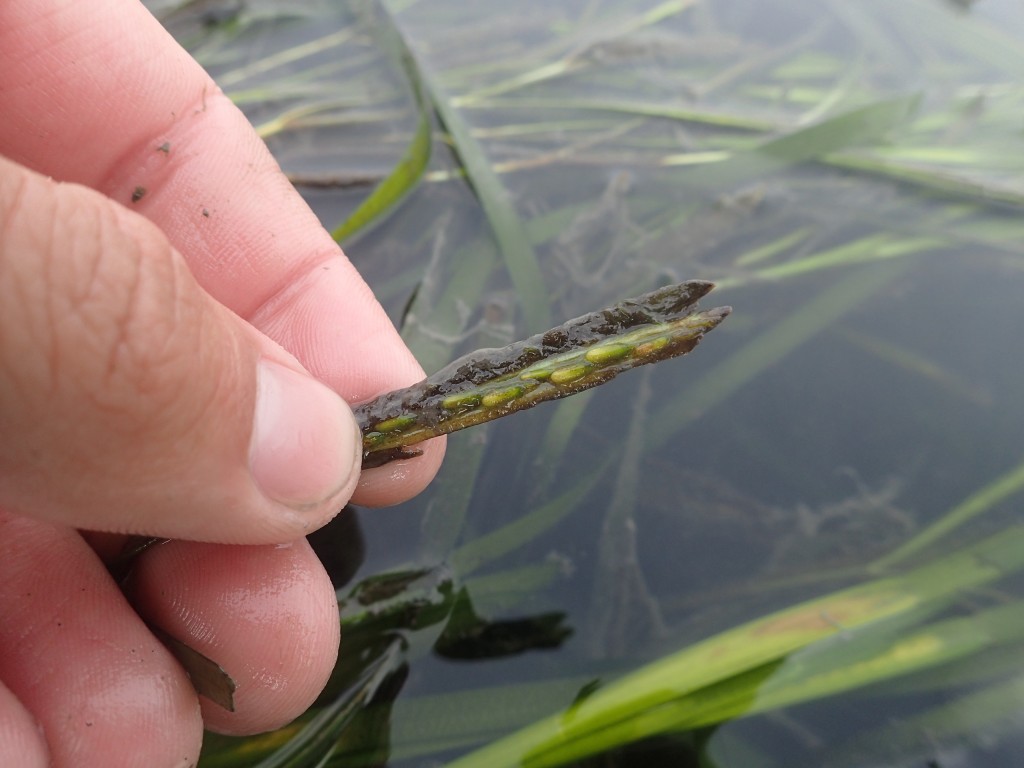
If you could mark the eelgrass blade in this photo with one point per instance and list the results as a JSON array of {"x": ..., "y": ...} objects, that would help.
[
  {"x": 570, "y": 358},
  {"x": 573, "y": 61},
  {"x": 434, "y": 324},
  {"x": 509, "y": 231},
  {"x": 845, "y": 665},
  {"x": 559, "y": 431},
  {"x": 394, "y": 188},
  {"x": 408, "y": 172},
  {"x": 314, "y": 739},
  {"x": 483, "y": 549},
  {"x": 314, "y": 744},
  {"x": 445, "y": 519},
  {"x": 632, "y": 107},
  {"x": 856, "y": 127},
  {"x": 771, "y": 346},
  {"x": 870, "y": 248},
  {"x": 943, "y": 181},
  {"x": 621, "y": 598},
  {"x": 919, "y": 365},
  {"x": 979, "y": 502},
  {"x": 682, "y": 690},
  {"x": 958, "y": 720}
]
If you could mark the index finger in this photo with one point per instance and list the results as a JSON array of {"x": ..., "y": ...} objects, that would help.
[{"x": 98, "y": 93}]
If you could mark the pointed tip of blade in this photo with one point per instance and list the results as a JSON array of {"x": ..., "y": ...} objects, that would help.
[
  {"x": 716, "y": 315},
  {"x": 671, "y": 301},
  {"x": 697, "y": 289}
]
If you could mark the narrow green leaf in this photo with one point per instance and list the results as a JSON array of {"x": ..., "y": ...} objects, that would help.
[
  {"x": 928, "y": 178},
  {"x": 570, "y": 63},
  {"x": 393, "y": 189},
  {"x": 977, "y": 503},
  {"x": 508, "y": 538},
  {"x": 682, "y": 689},
  {"x": 767, "y": 349},
  {"x": 408, "y": 172},
  {"x": 513, "y": 240},
  {"x": 857, "y": 127},
  {"x": 869, "y": 248}
]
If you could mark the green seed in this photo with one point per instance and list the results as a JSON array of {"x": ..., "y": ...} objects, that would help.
[
  {"x": 541, "y": 374},
  {"x": 565, "y": 375},
  {"x": 651, "y": 347},
  {"x": 395, "y": 424},
  {"x": 455, "y": 402},
  {"x": 501, "y": 396},
  {"x": 607, "y": 353}
]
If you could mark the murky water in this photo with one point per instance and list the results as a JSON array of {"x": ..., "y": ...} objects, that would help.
[{"x": 866, "y": 387}]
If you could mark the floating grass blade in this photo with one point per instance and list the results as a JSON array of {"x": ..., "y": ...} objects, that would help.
[
  {"x": 571, "y": 358},
  {"x": 632, "y": 107},
  {"x": 315, "y": 743}
]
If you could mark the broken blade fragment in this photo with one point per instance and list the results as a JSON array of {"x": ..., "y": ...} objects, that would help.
[
  {"x": 575, "y": 356},
  {"x": 207, "y": 676}
]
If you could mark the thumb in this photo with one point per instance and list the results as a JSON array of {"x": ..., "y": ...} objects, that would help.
[{"x": 131, "y": 401}]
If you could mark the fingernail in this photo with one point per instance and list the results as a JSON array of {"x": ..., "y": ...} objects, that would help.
[{"x": 303, "y": 448}]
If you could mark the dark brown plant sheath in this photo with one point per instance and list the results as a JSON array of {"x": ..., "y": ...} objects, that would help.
[{"x": 577, "y": 355}]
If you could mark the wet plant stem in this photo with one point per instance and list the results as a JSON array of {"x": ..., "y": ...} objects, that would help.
[{"x": 573, "y": 357}]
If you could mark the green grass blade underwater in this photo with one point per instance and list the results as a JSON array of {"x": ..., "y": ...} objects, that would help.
[{"x": 679, "y": 691}]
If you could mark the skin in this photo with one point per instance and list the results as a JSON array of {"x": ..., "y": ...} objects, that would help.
[{"x": 137, "y": 340}]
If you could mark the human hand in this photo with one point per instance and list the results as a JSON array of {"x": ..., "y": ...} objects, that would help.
[{"x": 136, "y": 354}]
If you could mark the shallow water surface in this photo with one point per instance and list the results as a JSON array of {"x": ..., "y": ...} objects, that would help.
[{"x": 849, "y": 174}]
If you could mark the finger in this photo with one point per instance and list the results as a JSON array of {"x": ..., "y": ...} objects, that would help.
[
  {"x": 267, "y": 615},
  {"x": 130, "y": 401},
  {"x": 21, "y": 742},
  {"x": 209, "y": 183},
  {"x": 91, "y": 673}
]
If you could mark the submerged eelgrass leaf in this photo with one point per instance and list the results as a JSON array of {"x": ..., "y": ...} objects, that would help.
[
  {"x": 312, "y": 741},
  {"x": 857, "y": 127},
  {"x": 409, "y": 170},
  {"x": 979, "y": 502},
  {"x": 394, "y": 188},
  {"x": 574, "y": 59},
  {"x": 509, "y": 230},
  {"x": 734, "y": 673},
  {"x": 929, "y": 178},
  {"x": 958, "y": 720},
  {"x": 483, "y": 549},
  {"x": 434, "y": 325},
  {"x": 770, "y": 347}
]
